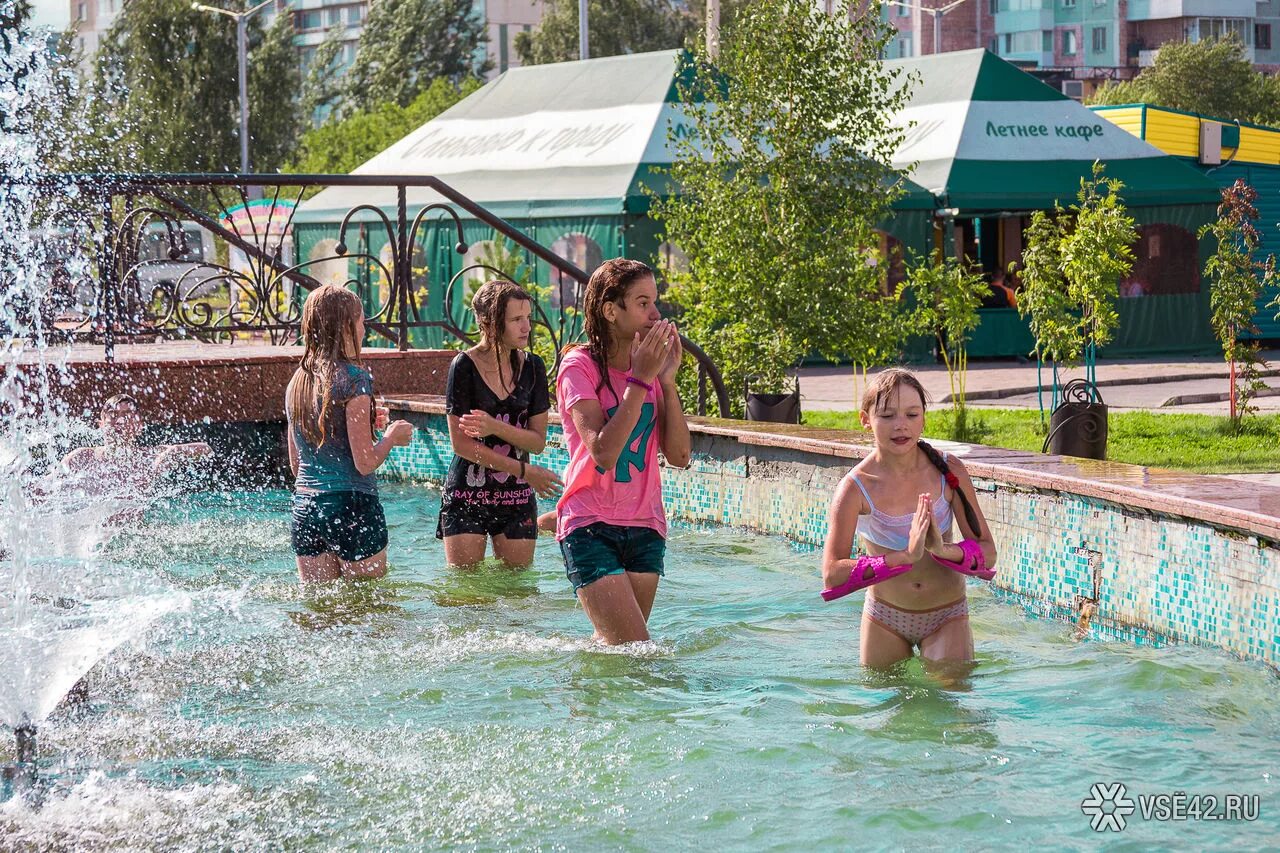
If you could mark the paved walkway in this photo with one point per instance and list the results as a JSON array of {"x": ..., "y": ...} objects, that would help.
[{"x": 1186, "y": 385}]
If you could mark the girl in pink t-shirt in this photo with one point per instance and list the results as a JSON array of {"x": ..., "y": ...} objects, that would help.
[{"x": 618, "y": 404}]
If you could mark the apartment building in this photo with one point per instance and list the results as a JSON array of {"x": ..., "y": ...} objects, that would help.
[
  {"x": 314, "y": 19},
  {"x": 1083, "y": 43}
]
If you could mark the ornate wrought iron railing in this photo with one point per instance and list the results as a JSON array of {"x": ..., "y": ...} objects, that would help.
[{"x": 145, "y": 279}]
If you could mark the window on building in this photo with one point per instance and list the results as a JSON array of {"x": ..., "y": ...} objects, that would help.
[
  {"x": 1024, "y": 42},
  {"x": 904, "y": 46},
  {"x": 355, "y": 14},
  {"x": 334, "y": 16},
  {"x": 994, "y": 7},
  {"x": 308, "y": 20},
  {"x": 1097, "y": 3},
  {"x": 1262, "y": 36},
  {"x": 1068, "y": 42},
  {"x": 903, "y": 10},
  {"x": 1046, "y": 39},
  {"x": 1219, "y": 28},
  {"x": 994, "y": 45},
  {"x": 1099, "y": 39},
  {"x": 348, "y": 52},
  {"x": 1068, "y": 4},
  {"x": 82, "y": 12}
]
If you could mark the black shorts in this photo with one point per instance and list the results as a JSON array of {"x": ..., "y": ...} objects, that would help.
[
  {"x": 519, "y": 521},
  {"x": 349, "y": 524},
  {"x": 601, "y": 549}
]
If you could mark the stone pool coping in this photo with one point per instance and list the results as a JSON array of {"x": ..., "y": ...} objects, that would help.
[{"x": 1249, "y": 508}]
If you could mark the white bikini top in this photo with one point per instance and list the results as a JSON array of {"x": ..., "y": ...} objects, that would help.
[{"x": 894, "y": 531}]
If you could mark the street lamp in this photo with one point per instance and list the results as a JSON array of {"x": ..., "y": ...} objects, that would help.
[
  {"x": 937, "y": 14},
  {"x": 241, "y": 19}
]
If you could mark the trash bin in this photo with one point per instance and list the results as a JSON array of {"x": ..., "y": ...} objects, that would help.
[
  {"x": 1078, "y": 426},
  {"x": 773, "y": 408}
]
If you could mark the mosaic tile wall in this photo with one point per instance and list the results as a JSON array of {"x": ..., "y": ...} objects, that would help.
[{"x": 1155, "y": 578}]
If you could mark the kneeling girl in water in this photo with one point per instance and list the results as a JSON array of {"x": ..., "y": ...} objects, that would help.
[
  {"x": 497, "y": 404},
  {"x": 903, "y": 501},
  {"x": 619, "y": 404},
  {"x": 338, "y": 526}
]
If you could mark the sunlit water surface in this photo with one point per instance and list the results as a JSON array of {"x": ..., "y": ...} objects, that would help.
[{"x": 441, "y": 709}]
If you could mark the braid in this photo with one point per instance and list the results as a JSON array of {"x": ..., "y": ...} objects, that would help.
[{"x": 932, "y": 454}]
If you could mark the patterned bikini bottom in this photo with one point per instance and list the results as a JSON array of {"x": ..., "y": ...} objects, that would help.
[{"x": 914, "y": 626}]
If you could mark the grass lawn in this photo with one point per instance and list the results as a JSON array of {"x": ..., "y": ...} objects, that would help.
[{"x": 1204, "y": 444}]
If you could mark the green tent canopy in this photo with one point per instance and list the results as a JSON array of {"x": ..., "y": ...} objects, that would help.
[
  {"x": 993, "y": 143},
  {"x": 563, "y": 139},
  {"x": 984, "y": 135},
  {"x": 562, "y": 151}
]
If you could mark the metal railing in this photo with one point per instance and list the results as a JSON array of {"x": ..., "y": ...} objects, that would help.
[{"x": 146, "y": 281}]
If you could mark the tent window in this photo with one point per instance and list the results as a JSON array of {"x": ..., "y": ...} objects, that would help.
[
  {"x": 324, "y": 265},
  {"x": 582, "y": 251},
  {"x": 1166, "y": 262},
  {"x": 889, "y": 256}
]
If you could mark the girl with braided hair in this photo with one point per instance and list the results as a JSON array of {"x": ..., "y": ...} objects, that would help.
[
  {"x": 903, "y": 501},
  {"x": 497, "y": 403},
  {"x": 619, "y": 404}
]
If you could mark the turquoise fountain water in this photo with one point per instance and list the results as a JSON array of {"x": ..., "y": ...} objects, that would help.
[{"x": 441, "y": 709}]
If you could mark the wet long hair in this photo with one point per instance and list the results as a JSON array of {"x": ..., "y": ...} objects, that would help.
[
  {"x": 888, "y": 383},
  {"x": 329, "y": 319},
  {"x": 489, "y": 304},
  {"x": 609, "y": 283}
]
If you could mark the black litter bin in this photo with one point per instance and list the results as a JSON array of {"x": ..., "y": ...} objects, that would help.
[
  {"x": 1078, "y": 426},
  {"x": 773, "y": 408}
]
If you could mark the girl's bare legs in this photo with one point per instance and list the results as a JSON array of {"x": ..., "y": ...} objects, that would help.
[
  {"x": 881, "y": 648},
  {"x": 516, "y": 553},
  {"x": 611, "y": 606},
  {"x": 645, "y": 586},
  {"x": 464, "y": 550},
  {"x": 953, "y": 642},
  {"x": 369, "y": 567},
  {"x": 323, "y": 567}
]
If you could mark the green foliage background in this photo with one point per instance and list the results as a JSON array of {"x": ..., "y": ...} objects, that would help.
[{"x": 782, "y": 188}]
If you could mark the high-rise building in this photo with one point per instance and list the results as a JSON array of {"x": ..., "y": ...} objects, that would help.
[
  {"x": 1083, "y": 43},
  {"x": 314, "y": 19}
]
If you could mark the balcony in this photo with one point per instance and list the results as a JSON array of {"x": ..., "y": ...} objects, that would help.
[
  {"x": 1156, "y": 10},
  {"x": 1017, "y": 16}
]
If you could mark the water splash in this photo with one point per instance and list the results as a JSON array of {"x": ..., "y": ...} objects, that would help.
[{"x": 62, "y": 608}]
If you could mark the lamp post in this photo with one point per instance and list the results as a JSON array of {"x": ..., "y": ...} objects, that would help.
[
  {"x": 937, "y": 13},
  {"x": 582, "y": 30},
  {"x": 242, "y": 20}
]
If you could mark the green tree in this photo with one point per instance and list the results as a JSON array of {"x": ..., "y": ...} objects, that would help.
[
  {"x": 323, "y": 85},
  {"x": 781, "y": 188},
  {"x": 165, "y": 96},
  {"x": 1211, "y": 77},
  {"x": 408, "y": 44},
  {"x": 275, "y": 79},
  {"x": 340, "y": 145},
  {"x": 615, "y": 27},
  {"x": 1071, "y": 270},
  {"x": 947, "y": 296},
  {"x": 1236, "y": 281}
]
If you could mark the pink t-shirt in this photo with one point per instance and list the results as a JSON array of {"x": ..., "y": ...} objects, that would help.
[{"x": 631, "y": 494}]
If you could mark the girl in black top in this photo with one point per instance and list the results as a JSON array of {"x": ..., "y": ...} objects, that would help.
[{"x": 497, "y": 404}]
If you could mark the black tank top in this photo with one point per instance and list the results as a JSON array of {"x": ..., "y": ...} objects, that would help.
[{"x": 473, "y": 483}]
